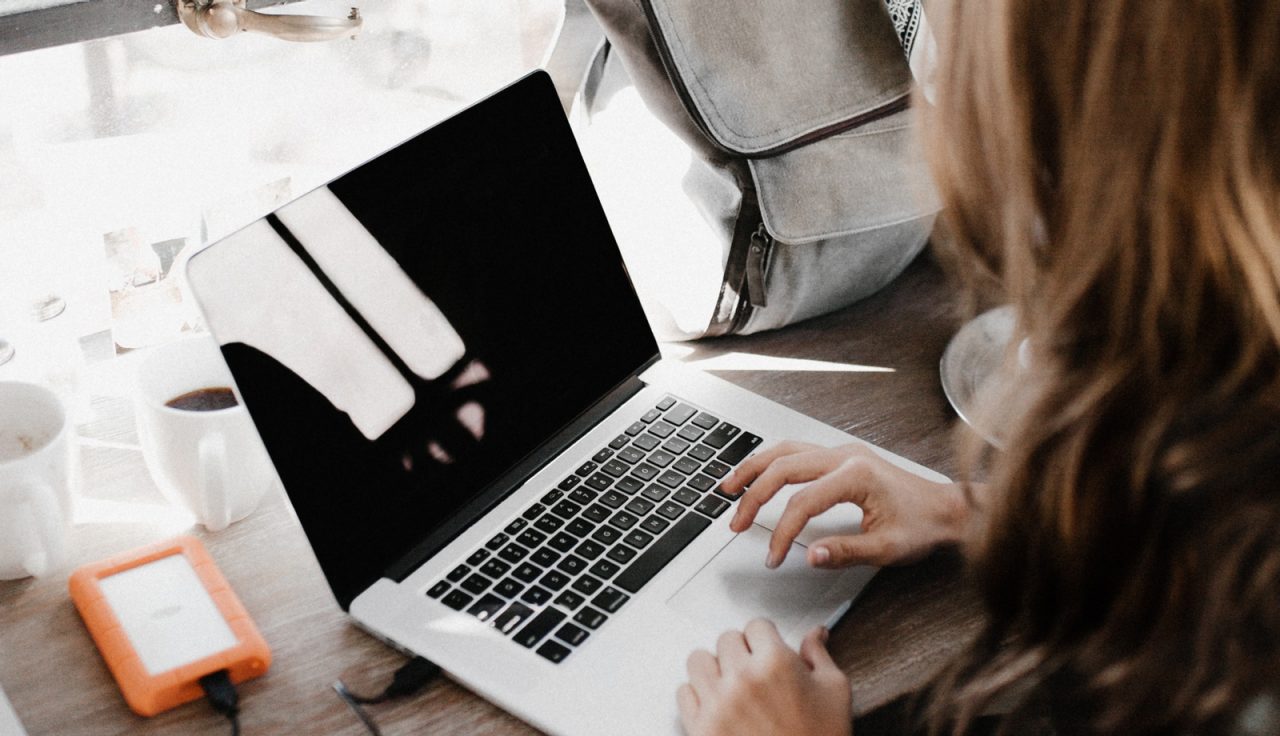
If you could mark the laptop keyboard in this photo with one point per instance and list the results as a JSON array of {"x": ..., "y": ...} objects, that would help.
[{"x": 576, "y": 556}]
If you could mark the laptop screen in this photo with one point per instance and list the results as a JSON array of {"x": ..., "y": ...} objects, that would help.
[{"x": 407, "y": 334}]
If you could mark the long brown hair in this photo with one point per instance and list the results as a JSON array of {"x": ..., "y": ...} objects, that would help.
[{"x": 1113, "y": 167}]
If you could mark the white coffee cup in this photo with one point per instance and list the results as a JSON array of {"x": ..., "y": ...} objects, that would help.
[
  {"x": 35, "y": 480},
  {"x": 212, "y": 462}
]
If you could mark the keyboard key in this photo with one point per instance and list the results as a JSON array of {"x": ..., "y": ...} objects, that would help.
[
  {"x": 606, "y": 535},
  {"x": 721, "y": 435},
  {"x": 687, "y": 465},
  {"x": 675, "y": 446},
  {"x": 569, "y": 600},
  {"x": 646, "y": 442},
  {"x": 600, "y": 481},
  {"x": 705, "y": 420},
  {"x": 720, "y": 491},
  {"x": 686, "y": 496},
  {"x": 671, "y": 510},
  {"x": 655, "y": 524},
  {"x": 536, "y": 596},
  {"x": 702, "y": 482},
  {"x": 613, "y": 499},
  {"x": 741, "y": 447},
  {"x": 586, "y": 469},
  {"x": 487, "y": 607},
  {"x": 716, "y": 469},
  {"x": 555, "y": 580},
  {"x": 568, "y": 483},
  {"x": 662, "y": 429},
  {"x": 554, "y": 652},
  {"x": 610, "y": 600},
  {"x": 456, "y": 600},
  {"x": 712, "y": 506},
  {"x": 622, "y": 554},
  {"x": 587, "y": 584},
  {"x": 533, "y": 511},
  {"x": 508, "y": 588},
  {"x": 564, "y": 541},
  {"x": 458, "y": 573},
  {"x": 531, "y": 538},
  {"x": 540, "y": 626},
  {"x": 513, "y": 552},
  {"x": 566, "y": 509},
  {"x": 580, "y": 527},
  {"x": 571, "y": 634},
  {"x": 549, "y": 523},
  {"x": 495, "y": 568},
  {"x": 527, "y": 572},
  {"x": 439, "y": 588},
  {"x": 597, "y": 513},
  {"x": 589, "y": 550},
  {"x": 624, "y": 520},
  {"x": 628, "y": 485},
  {"x": 619, "y": 442},
  {"x": 604, "y": 569},
  {"x": 680, "y": 414},
  {"x": 590, "y": 617},
  {"x": 544, "y": 557},
  {"x": 651, "y": 416},
  {"x": 669, "y": 545},
  {"x": 551, "y": 496},
  {"x": 477, "y": 557},
  {"x": 630, "y": 455},
  {"x": 645, "y": 471},
  {"x": 572, "y": 565},
  {"x": 702, "y": 452},
  {"x": 638, "y": 538},
  {"x": 604, "y": 454},
  {"x": 515, "y": 526},
  {"x": 615, "y": 468},
  {"x": 661, "y": 458},
  {"x": 666, "y": 403},
  {"x": 670, "y": 479},
  {"x": 639, "y": 506},
  {"x": 583, "y": 496},
  {"x": 690, "y": 433},
  {"x": 516, "y": 614},
  {"x": 497, "y": 541},
  {"x": 656, "y": 492},
  {"x": 635, "y": 429}
]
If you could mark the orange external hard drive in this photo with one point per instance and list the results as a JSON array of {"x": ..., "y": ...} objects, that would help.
[{"x": 163, "y": 617}]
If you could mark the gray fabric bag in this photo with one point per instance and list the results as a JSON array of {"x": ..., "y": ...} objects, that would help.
[{"x": 805, "y": 160}]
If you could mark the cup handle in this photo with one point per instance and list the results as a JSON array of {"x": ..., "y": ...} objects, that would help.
[
  {"x": 38, "y": 502},
  {"x": 213, "y": 482}
]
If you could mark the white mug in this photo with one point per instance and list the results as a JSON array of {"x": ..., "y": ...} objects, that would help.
[
  {"x": 35, "y": 480},
  {"x": 212, "y": 462}
]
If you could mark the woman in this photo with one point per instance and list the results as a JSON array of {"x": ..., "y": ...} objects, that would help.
[{"x": 1115, "y": 168}]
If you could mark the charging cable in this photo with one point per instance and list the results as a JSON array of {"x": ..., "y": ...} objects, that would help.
[
  {"x": 222, "y": 696},
  {"x": 409, "y": 679}
]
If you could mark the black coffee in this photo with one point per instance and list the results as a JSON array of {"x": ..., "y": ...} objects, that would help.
[{"x": 204, "y": 399}]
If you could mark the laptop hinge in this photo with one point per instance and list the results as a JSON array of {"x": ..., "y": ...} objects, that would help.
[{"x": 514, "y": 479}]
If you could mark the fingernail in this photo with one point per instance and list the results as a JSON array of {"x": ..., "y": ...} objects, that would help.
[
  {"x": 821, "y": 555},
  {"x": 771, "y": 561}
]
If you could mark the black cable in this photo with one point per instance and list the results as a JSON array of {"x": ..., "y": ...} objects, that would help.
[
  {"x": 222, "y": 696},
  {"x": 409, "y": 679}
]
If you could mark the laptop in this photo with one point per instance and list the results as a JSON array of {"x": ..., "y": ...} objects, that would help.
[{"x": 494, "y": 465}]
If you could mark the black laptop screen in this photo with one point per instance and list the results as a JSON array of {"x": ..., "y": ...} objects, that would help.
[{"x": 502, "y": 312}]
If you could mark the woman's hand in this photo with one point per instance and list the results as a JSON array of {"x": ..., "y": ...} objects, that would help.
[
  {"x": 755, "y": 685},
  {"x": 904, "y": 516}
]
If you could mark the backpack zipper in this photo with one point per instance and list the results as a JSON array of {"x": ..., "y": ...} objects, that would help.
[{"x": 757, "y": 264}]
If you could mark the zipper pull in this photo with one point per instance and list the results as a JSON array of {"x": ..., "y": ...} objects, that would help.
[{"x": 757, "y": 256}]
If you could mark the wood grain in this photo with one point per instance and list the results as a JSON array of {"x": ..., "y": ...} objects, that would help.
[{"x": 903, "y": 627}]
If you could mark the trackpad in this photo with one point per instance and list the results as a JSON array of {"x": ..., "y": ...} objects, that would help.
[{"x": 736, "y": 587}]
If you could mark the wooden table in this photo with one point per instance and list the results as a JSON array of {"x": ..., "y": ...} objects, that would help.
[{"x": 906, "y": 623}]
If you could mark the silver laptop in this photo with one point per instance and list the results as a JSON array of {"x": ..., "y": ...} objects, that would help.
[{"x": 496, "y": 469}]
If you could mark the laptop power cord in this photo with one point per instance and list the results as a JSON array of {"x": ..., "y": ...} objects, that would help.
[
  {"x": 409, "y": 679},
  {"x": 222, "y": 695}
]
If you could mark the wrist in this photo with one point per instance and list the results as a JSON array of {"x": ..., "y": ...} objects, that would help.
[{"x": 953, "y": 515}]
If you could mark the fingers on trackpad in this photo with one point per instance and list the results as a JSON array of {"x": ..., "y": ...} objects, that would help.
[{"x": 843, "y": 518}]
